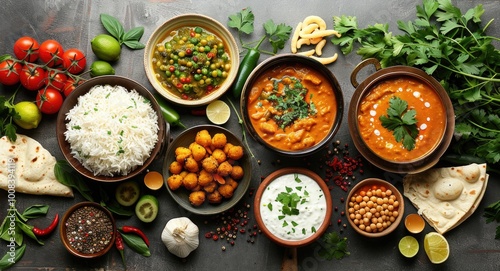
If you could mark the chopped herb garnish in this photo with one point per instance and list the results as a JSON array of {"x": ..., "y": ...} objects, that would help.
[
  {"x": 109, "y": 132},
  {"x": 285, "y": 223},
  {"x": 294, "y": 223},
  {"x": 289, "y": 202},
  {"x": 270, "y": 206},
  {"x": 401, "y": 122},
  {"x": 303, "y": 231},
  {"x": 76, "y": 127}
]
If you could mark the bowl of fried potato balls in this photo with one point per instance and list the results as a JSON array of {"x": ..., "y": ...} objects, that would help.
[
  {"x": 374, "y": 207},
  {"x": 207, "y": 169}
]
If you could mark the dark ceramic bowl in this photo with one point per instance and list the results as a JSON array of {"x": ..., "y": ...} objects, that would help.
[
  {"x": 70, "y": 243},
  {"x": 262, "y": 220},
  {"x": 289, "y": 60},
  {"x": 181, "y": 195},
  {"x": 421, "y": 163},
  {"x": 191, "y": 20},
  {"x": 369, "y": 183},
  {"x": 72, "y": 100}
]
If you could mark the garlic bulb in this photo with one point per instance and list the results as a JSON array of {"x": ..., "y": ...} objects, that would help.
[{"x": 180, "y": 236}]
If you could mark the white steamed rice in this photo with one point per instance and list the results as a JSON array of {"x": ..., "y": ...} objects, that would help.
[{"x": 111, "y": 131}]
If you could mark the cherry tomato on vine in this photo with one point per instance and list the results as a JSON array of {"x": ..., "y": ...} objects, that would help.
[
  {"x": 32, "y": 77},
  {"x": 26, "y": 48},
  {"x": 9, "y": 72},
  {"x": 49, "y": 100},
  {"x": 70, "y": 85},
  {"x": 74, "y": 61},
  {"x": 56, "y": 80},
  {"x": 51, "y": 53}
]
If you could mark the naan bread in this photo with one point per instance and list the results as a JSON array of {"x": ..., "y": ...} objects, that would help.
[
  {"x": 33, "y": 166},
  {"x": 446, "y": 197}
]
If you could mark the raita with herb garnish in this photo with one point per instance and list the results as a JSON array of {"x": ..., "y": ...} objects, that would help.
[
  {"x": 293, "y": 207},
  {"x": 401, "y": 119},
  {"x": 292, "y": 107}
]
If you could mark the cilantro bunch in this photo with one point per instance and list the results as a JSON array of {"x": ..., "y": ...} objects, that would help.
[{"x": 454, "y": 48}]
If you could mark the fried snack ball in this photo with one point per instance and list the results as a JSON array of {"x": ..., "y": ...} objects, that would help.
[
  {"x": 203, "y": 138},
  {"x": 190, "y": 181},
  {"x": 191, "y": 165},
  {"x": 214, "y": 197},
  {"x": 226, "y": 190},
  {"x": 210, "y": 164},
  {"x": 174, "y": 181},
  {"x": 198, "y": 151},
  {"x": 181, "y": 153},
  {"x": 237, "y": 172},
  {"x": 210, "y": 188},
  {"x": 218, "y": 141},
  {"x": 175, "y": 167},
  {"x": 235, "y": 152},
  {"x": 184, "y": 173},
  {"x": 224, "y": 169},
  {"x": 227, "y": 147},
  {"x": 205, "y": 178},
  {"x": 219, "y": 155},
  {"x": 197, "y": 198},
  {"x": 231, "y": 182}
]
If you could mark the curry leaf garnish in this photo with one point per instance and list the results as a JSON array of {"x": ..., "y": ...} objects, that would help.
[
  {"x": 290, "y": 102},
  {"x": 453, "y": 47},
  {"x": 401, "y": 122}
]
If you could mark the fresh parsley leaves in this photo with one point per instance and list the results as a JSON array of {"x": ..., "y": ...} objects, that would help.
[
  {"x": 290, "y": 102},
  {"x": 333, "y": 246},
  {"x": 492, "y": 214},
  {"x": 454, "y": 48},
  {"x": 401, "y": 122},
  {"x": 8, "y": 113}
]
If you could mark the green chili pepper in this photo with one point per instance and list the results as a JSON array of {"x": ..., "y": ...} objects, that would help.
[
  {"x": 7, "y": 260},
  {"x": 247, "y": 65},
  {"x": 169, "y": 114}
]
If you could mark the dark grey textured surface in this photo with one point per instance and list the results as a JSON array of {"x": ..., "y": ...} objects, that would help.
[{"x": 74, "y": 23}]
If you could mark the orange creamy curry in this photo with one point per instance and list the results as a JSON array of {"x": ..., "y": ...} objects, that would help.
[
  {"x": 292, "y": 107},
  {"x": 430, "y": 116}
]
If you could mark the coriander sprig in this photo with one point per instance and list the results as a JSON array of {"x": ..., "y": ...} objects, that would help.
[{"x": 401, "y": 122}]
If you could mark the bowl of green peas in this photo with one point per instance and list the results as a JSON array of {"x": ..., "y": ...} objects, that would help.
[{"x": 191, "y": 60}]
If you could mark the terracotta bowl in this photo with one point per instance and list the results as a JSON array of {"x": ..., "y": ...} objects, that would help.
[
  {"x": 265, "y": 195},
  {"x": 191, "y": 20},
  {"x": 420, "y": 163},
  {"x": 66, "y": 227},
  {"x": 72, "y": 100},
  {"x": 289, "y": 60},
  {"x": 364, "y": 185},
  {"x": 181, "y": 195}
]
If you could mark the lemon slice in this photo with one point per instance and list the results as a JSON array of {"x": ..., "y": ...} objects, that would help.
[
  {"x": 436, "y": 247},
  {"x": 218, "y": 112},
  {"x": 408, "y": 246}
]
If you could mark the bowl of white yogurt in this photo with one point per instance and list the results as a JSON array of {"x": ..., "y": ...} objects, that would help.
[{"x": 293, "y": 207}]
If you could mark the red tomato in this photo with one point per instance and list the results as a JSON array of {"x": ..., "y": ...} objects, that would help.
[
  {"x": 26, "y": 48},
  {"x": 70, "y": 85},
  {"x": 74, "y": 61},
  {"x": 57, "y": 80},
  {"x": 51, "y": 53},
  {"x": 49, "y": 100},
  {"x": 9, "y": 72},
  {"x": 32, "y": 77}
]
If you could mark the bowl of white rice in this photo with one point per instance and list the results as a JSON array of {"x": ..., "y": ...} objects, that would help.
[{"x": 110, "y": 128}]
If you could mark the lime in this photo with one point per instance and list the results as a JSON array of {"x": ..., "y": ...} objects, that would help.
[
  {"x": 100, "y": 67},
  {"x": 218, "y": 112},
  {"x": 29, "y": 113},
  {"x": 408, "y": 246},
  {"x": 106, "y": 47},
  {"x": 436, "y": 247}
]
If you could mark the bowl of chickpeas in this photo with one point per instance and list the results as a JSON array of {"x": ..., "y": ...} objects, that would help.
[
  {"x": 191, "y": 59},
  {"x": 374, "y": 207},
  {"x": 207, "y": 169}
]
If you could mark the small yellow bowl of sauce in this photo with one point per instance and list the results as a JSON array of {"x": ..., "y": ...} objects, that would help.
[{"x": 414, "y": 223}]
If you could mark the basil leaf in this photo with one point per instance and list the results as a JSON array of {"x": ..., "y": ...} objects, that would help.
[
  {"x": 133, "y": 44},
  {"x": 134, "y": 34},
  {"x": 66, "y": 175},
  {"x": 113, "y": 26},
  {"x": 35, "y": 211},
  {"x": 8, "y": 261},
  {"x": 136, "y": 244}
]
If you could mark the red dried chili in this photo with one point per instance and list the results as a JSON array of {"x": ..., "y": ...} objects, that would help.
[
  {"x": 44, "y": 232},
  {"x": 137, "y": 231}
]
